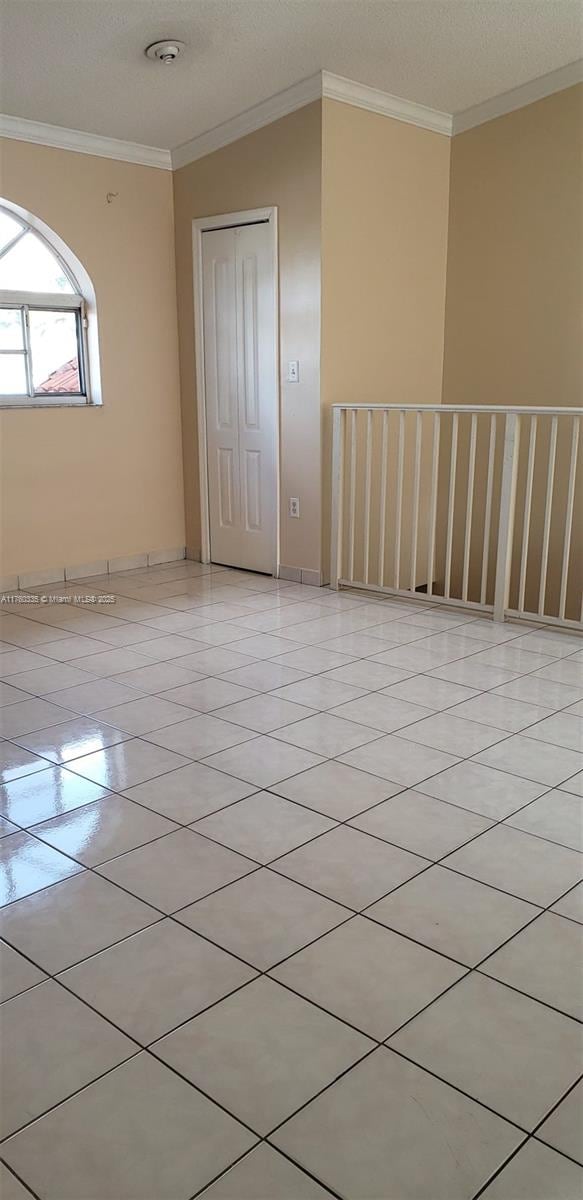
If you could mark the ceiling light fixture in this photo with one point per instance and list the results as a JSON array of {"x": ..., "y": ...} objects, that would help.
[{"x": 166, "y": 51}]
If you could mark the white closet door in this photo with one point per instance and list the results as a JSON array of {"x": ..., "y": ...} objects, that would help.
[{"x": 241, "y": 394}]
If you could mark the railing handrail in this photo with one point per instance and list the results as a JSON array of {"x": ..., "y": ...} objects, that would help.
[{"x": 537, "y": 410}]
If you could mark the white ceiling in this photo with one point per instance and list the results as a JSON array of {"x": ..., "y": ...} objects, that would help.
[{"x": 80, "y": 63}]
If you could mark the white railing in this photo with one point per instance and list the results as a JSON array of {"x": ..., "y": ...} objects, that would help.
[{"x": 477, "y": 506}]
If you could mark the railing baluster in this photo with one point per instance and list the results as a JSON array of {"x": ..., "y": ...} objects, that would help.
[
  {"x": 451, "y": 505},
  {"x": 548, "y": 516},
  {"x": 383, "y": 497},
  {"x": 527, "y": 512},
  {"x": 506, "y": 517},
  {"x": 352, "y": 510},
  {"x": 368, "y": 490},
  {"x": 569, "y": 517},
  {"x": 488, "y": 510},
  {"x": 337, "y": 532},
  {"x": 469, "y": 505},
  {"x": 433, "y": 503},
  {"x": 399, "y": 509},
  {"x": 415, "y": 522}
]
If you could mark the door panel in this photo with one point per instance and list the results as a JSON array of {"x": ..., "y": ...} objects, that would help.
[{"x": 241, "y": 394}]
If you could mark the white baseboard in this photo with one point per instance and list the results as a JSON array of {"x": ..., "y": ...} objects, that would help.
[
  {"x": 104, "y": 566},
  {"x": 300, "y": 575}
]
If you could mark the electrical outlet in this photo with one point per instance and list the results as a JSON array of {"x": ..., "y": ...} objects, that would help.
[
  {"x": 294, "y": 506},
  {"x": 293, "y": 371}
]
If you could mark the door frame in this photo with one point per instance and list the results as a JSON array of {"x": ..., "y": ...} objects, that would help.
[{"x": 199, "y": 225}]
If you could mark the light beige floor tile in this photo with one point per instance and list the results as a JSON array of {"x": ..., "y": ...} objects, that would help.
[
  {"x": 350, "y": 867},
  {"x": 262, "y": 1052},
  {"x": 265, "y": 1175},
  {"x": 264, "y": 713},
  {"x": 263, "y": 761},
  {"x": 381, "y": 712},
  {"x": 263, "y": 917},
  {"x": 545, "y": 961},
  {"x": 313, "y": 659},
  {"x": 176, "y": 870},
  {"x": 419, "y": 1138},
  {"x": 491, "y": 793},
  {"x": 265, "y": 676},
  {"x": 540, "y": 691},
  {"x": 26, "y": 717},
  {"x": 15, "y": 661},
  {"x": 102, "y": 830},
  {"x": 157, "y": 677},
  {"x": 519, "y": 863},
  {"x": 533, "y": 760},
  {"x": 562, "y": 1129},
  {"x": 556, "y": 816},
  {"x": 367, "y": 674},
  {"x": 156, "y": 979},
  {"x": 438, "y": 695},
  {"x": 90, "y": 697},
  {"x": 215, "y": 660},
  {"x": 10, "y": 1186},
  {"x": 564, "y": 670},
  {"x": 504, "y": 1049},
  {"x": 421, "y": 824},
  {"x": 10, "y": 694},
  {"x": 145, "y": 1132},
  {"x": 368, "y": 976},
  {"x": 394, "y": 758},
  {"x": 46, "y": 794},
  {"x": 62, "y": 924},
  {"x": 537, "y": 1173},
  {"x": 325, "y": 733},
  {"x": 70, "y": 739},
  {"x": 500, "y": 712},
  {"x": 264, "y": 826},
  {"x": 474, "y": 674},
  {"x": 560, "y": 729},
  {"x": 143, "y": 715},
  {"x": 336, "y": 790},
  {"x": 574, "y": 784},
  {"x": 110, "y": 662},
  {"x": 52, "y": 678},
  {"x": 455, "y": 735},
  {"x": 51, "y": 1046},
  {"x": 127, "y": 764},
  {"x": 571, "y": 905},
  {"x": 169, "y": 646},
  {"x": 200, "y": 736},
  {"x": 208, "y": 694},
  {"x": 27, "y": 865},
  {"x": 453, "y": 914},
  {"x": 190, "y": 792},
  {"x": 17, "y": 974},
  {"x": 319, "y": 692},
  {"x": 16, "y": 762}
]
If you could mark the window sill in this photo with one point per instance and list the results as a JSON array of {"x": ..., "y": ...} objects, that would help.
[{"x": 22, "y": 403}]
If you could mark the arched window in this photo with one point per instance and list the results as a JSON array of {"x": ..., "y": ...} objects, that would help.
[{"x": 44, "y": 314}]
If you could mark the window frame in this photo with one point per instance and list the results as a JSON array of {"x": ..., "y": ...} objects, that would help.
[{"x": 27, "y": 301}]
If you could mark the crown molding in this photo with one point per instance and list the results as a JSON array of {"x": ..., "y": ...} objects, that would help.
[
  {"x": 346, "y": 91},
  {"x": 83, "y": 143},
  {"x": 519, "y": 97},
  {"x": 280, "y": 105}
]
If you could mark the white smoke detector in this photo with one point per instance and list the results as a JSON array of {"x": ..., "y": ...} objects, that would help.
[{"x": 165, "y": 52}]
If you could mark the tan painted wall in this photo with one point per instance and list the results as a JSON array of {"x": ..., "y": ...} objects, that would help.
[
  {"x": 83, "y": 484},
  {"x": 278, "y": 165},
  {"x": 385, "y": 195},
  {"x": 514, "y": 304},
  {"x": 515, "y": 260}
]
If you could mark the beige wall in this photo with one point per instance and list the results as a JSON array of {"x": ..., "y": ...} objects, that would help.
[
  {"x": 86, "y": 484},
  {"x": 278, "y": 165},
  {"x": 385, "y": 195},
  {"x": 515, "y": 262}
]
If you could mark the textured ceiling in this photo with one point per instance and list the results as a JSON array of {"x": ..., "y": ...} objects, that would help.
[{"x": 80, "y": 63}]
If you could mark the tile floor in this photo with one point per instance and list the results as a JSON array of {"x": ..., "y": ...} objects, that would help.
[{"x": 291, "y": 900}]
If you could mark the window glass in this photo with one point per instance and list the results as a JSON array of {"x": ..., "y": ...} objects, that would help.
[
  {"x": 54, "y": 349},
  {"x": 9, "y": 229},
  {"x": 12, "y": 375},
  {"x": 11, "y": 335},
  {"x": 31, "y": 267}
]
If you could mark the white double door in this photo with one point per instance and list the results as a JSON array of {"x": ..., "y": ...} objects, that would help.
[{"x": 240, "y": 362}]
